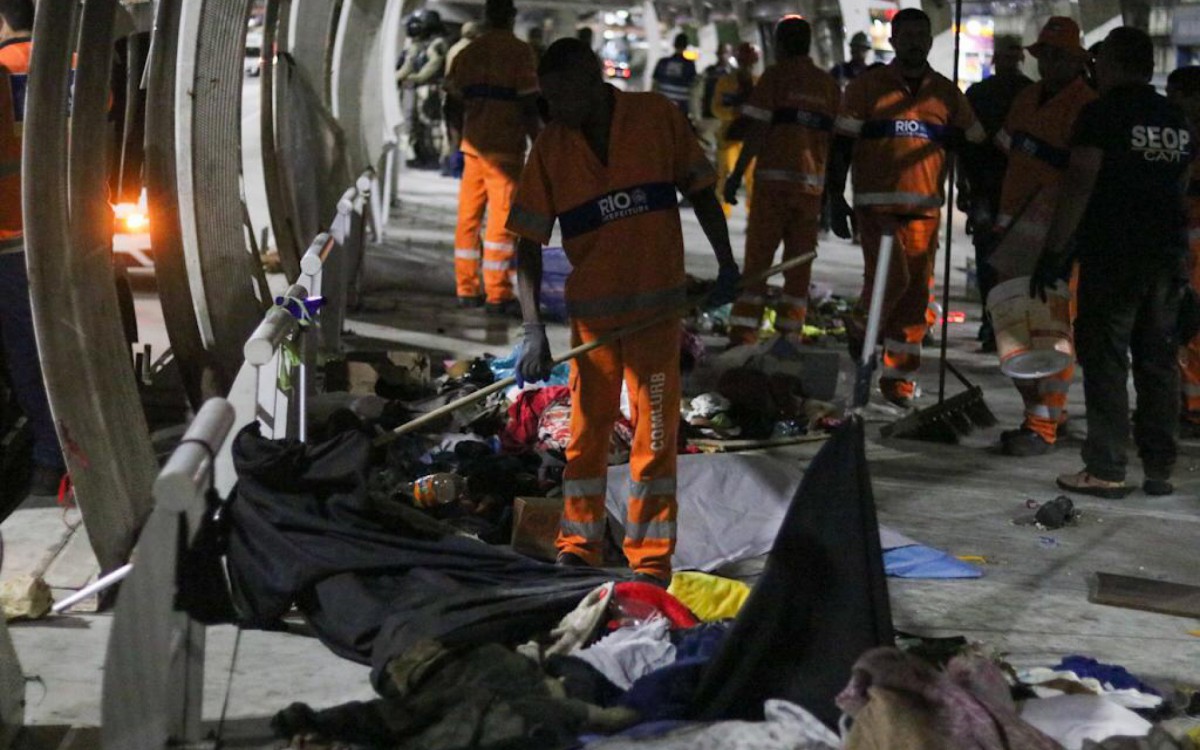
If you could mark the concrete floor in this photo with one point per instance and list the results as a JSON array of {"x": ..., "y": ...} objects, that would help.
[{"x": 1031, "y": 603}]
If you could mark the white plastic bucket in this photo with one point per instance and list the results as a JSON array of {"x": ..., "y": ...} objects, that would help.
[{"x": 1033, "y": 338}]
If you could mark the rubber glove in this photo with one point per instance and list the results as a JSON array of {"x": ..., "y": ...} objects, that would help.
[
  {"x": 534, "y": 363},
  {"x": 726, "y": 288},
  {"x": 733, "y": 183},
  {"x": 1049, "y": 271},
  {"x": 840, "y": 217}
]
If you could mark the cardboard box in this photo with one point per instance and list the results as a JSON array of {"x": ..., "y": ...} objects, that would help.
[{"x": 535, "y": 526}]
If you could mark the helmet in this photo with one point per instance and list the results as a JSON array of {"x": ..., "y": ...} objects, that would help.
[
  {"x": 746, "y": 55},
  {"x": 422, "y": 24}
]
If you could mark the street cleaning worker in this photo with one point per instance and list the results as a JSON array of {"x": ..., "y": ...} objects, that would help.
[
  {"x": 1123, "y": 202},
  {"x": 16, "y": 316},
  {"x": 845, "y": 72},
  {"x": 607, "y": 169},
  {"x": 903, "y": 118},
  {"x": 1037, "y": 138},
  {"x": 675, "y": 76},
  {"x": 731, "y": 91},
  {"x": 492, "y": 100},
  {"x": 792, "y": 110},
  {"x": 1183, "y": 90},
  {"x": 982, "y": 166}
]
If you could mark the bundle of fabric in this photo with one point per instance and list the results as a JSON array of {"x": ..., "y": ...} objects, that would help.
[{"x": 373, "y": 581}]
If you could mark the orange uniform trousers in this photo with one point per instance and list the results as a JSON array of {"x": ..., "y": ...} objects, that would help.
[
  {"x": 727, "y": 155},
  {"x": 905, "y": 316},
  {"x": 782, "y": 212},
  {"x": 487, "y": 184},
  {"x": 1189, "y": 355},
  {"x": 1046, "y": 398},
  {"x": 648, "y": 362}
]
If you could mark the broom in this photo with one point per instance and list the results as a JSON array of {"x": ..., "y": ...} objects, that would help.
[
  {"x": 608, "y": 338},
  {"x": 961, "y": 414}
]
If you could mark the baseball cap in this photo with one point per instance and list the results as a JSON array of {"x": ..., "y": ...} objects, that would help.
[
  {"x": 1060, "y": 32},
  {"x": 860, "y": 40}
]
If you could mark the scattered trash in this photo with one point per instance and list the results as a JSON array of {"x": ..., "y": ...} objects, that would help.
[
  {"x": 980, "y": 559},
  {"x": 1057, "y": 513},
  {"x": 1048, "y": 542},
  {"x": 25, "y": 597}
]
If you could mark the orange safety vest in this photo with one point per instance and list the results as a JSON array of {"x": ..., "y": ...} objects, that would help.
[
  {"x": 900, "y": 153},
  {"x": 14, "y": 78},
  {"x": 799, "y": 102},
  {"x": 620, "y": 221},
  {"x": 491, "y": 74},
  {"x": 1037, "y": 138}
]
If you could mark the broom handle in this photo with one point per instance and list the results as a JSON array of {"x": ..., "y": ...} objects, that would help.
[
  {"x": 866, "y": 367},
  {"x": 958, "y": 374},
  {"x": 607, "y": 338},
  {"x": 946, "y": 267}
]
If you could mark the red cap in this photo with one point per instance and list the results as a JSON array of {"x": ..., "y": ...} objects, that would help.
[{"x": 1060, "y": 32}]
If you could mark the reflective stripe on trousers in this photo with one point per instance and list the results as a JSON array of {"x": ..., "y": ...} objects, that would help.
[
  {"x": 648, "y": 361},
  {"x": 487, "y": 185},
  {"x": 1046, "y": 398}
]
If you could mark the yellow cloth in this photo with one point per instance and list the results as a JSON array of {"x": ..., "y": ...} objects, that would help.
[{"x": 709, "y": 597}]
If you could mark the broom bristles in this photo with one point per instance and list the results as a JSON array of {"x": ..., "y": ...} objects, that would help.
[{"x": 957, "y": 416}]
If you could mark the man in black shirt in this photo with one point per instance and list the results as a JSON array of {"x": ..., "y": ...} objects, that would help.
[
  {"x": 983, "y": 165},
  {"x": 1123, "y": 201}
]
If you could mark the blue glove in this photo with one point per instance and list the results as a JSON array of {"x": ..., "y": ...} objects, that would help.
[
  {"x": 726, "y": 288},
  {"x": 533, "y": 361}
]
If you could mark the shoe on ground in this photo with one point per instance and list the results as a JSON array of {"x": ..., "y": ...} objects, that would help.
[
  {"x": 571, "y": 560},
  {"x": 470, "y": 303},
  {"x": 1157, "y": 487},
  {"x": 1084, "y": 483},
  {"x": 507, "y": 309},
  {"x": 651, "y": 579},
  {"x": 987, "y": 346},
  {"x": 45, "y": 481},
  {"x": 1023, "y": 442}
]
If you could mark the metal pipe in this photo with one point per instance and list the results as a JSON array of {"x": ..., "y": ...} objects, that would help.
[
  {"x": 878, "y": 290},
  {"x": 317, "y": 252},
  {"x": 188, "y": 470},
  {"x": 275, "y": 327},
  {"x": 100, "y": 584}
]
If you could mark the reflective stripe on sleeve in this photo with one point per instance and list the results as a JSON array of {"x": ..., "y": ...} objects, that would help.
[
  {"x": 536, "y": 224},
  {"x": 1003, "y": 140},
  {"x": 851, "y": 126},
  {"x": 976, "y": 133},
  {"x": 787, "y": 175},
  {"x": 756, "y": 113}
]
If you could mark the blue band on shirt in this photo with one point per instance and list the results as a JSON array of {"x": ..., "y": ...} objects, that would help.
[
  {"x": 487, "y": 91},
  {"x": 928, "y": 131},
  {"x": 616, "y": 205},
  {"x": 803, "y": 117},
  {"x": 1040, "y": 150}
]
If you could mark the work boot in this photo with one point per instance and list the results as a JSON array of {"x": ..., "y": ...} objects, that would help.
[
  {"x": 1084, "y": 483},
  {"x": 45, "y": 481},
  {"x": 652, "y": 579},
  {"x": 1189, "y": 430},
  {"x": 1023, "y": 442},
  {"x": 470, "y": 303},
  {"x": 506, "y": 309},
  {"x": 902, "y": 393},
  {"x": 1157, "y": 486},
  {"x": 571, "y": 560}
]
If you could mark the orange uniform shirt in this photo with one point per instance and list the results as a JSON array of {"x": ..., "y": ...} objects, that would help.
[
  {"x": 620, "y": 222},
  {"x": 491, "y": 74},
  {"x": 1037, "y": 137},
  {"x": 14, "y": 76},
  {"x": 900, "y": 155},
  {"x": 800, "y": 102}
]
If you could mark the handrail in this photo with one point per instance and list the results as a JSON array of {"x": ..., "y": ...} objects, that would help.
[
  {"x": 188, "y": 471},
  {"x": 276, "y": 326},
  {"x": 318, "y": 251}
]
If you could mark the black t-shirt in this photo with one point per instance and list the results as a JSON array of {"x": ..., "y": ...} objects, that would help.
[{"x": 1136, "y": 208}]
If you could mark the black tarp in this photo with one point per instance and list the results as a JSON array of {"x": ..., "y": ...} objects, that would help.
[
  {"x": 373, "y": 581},
  {"x": 821, "y": 602}
]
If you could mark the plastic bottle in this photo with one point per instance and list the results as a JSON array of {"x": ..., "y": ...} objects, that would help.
[{"x": 436, "y": 489}]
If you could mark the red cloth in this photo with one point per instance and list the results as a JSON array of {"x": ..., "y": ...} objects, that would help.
[
  {"x": 522, "y": 429},
  {"x": 639, "y": 600}
]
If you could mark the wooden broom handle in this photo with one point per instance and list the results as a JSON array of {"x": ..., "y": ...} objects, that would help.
[{"x": 607, "y": 338}]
